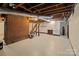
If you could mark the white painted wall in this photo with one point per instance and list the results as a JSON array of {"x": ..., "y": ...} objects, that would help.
[
  {"x": 44, "y": 27},
  {"x": 1, "y": 30},
  {"x": 30, "y": 27},
  {"x": 74, "y": 29},
  {"x": 56, "y": 29}
]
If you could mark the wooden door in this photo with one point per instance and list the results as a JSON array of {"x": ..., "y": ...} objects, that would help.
[{"x": 16, "y": 28}]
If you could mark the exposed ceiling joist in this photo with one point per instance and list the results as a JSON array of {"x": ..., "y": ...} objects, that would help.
[
  {"x": 36, "y": 6},
  {"x": 48, "y": 7},
  {"x": 4, "y": 5},
  {"x": 19, "y": 5},
  {"x": 25, "y": 9},
  {"x": 60, "y": 13},
  {"x": 40, "y": 8},
  {"x": 56, "y": 9}
]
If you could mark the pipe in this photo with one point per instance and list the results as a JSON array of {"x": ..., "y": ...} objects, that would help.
[{"x": 14, "y": 12}]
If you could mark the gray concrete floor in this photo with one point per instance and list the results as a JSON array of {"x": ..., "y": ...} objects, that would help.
[{"x": 44, "y": 45}]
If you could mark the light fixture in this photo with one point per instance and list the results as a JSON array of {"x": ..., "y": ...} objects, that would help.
[
  {"x": 52, "y": 22},
  {"x": 12, "y": 5},
  {"x": 34, "y": 18}
]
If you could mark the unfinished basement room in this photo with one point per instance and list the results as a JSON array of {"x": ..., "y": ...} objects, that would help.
[{"x": 39, "y": 29}]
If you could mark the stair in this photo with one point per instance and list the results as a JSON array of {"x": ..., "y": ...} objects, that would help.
[{"x": 35, "y": 30}]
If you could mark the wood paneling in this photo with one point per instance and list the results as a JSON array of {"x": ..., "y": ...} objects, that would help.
[{"x": 16, "y": 28}]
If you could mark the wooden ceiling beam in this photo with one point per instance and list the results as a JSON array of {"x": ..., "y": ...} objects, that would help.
[
  {"x": 19, "y": 5},
  {"x": 60, "y": 13},
  {"x": 48, "y": 7},
  {"x": 36, "y": 6},
  {"x": 67, "y": 14},
  {"x": 57, "y": 13},
  {"x": 56, "y": 9},
  {"x": 5, "y": 5},
  {"x": 25, "y": 9}
]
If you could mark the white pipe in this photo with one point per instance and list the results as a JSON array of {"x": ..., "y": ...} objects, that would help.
[{"x": 7, "y": 11}]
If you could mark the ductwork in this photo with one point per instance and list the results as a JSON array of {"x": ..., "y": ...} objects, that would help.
[{"x": 14, "y": 12}]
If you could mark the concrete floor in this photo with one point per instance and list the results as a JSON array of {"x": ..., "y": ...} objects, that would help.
[{"x": 44, "y": 45}]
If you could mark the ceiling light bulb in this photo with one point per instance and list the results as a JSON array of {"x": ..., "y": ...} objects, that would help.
[{"x": 52, "y": 22}]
